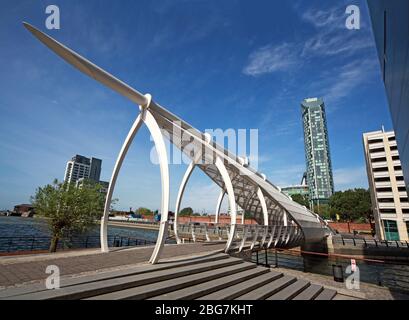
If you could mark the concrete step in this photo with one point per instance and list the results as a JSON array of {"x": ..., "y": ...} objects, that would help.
[
  {"x": 291, "y": 291},
  {"x": 326, "y": 294},
  {"x": 310, "y": 293},
  {"x": 268, "y": 289},
  {"x": 85, "y": 290},
  {"x": 202, "y": 289},
  {"x": 242, "y": 288},
  {"x": 104, "y": 275},
  {"x": 162, "y": 287}
]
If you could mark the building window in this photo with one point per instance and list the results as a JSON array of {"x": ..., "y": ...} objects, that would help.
[
  {"x": 387, "y": 211},
  {"x": 377, "y": 150},
  {"x": 386, "y": 179},
  {"x": 379, "y": 160},
  {"x": 391, "y": 230},
  {"x": 407, "y": 227}
]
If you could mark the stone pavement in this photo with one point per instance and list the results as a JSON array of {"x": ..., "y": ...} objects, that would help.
[{"x": 28, "y": 269}]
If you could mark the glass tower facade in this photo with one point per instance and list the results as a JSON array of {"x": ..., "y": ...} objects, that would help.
[
  {"x": 390, "y": 23},
  {"x": 317, "y": 153}
]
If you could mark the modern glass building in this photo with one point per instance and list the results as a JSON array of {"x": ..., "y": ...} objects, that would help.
[
  {"x": 317, "y": 153},
  {"x": 390, "y": 23}
]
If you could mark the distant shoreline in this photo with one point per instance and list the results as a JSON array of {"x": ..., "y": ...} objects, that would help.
[{"x": 134, "y": 225}]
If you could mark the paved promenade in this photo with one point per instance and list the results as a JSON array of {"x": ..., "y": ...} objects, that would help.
[{"x": 28, "y": 269}]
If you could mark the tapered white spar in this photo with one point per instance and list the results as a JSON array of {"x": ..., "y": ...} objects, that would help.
[{"x": 88, "y": 67}]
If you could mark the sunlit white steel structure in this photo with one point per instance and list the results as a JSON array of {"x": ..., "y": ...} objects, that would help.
[{"x": 281, "y": 222}]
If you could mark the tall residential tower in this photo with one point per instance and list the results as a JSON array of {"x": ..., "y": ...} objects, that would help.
[
  {"x": 80, "y": 167},
  {"x": 317, "y": 153}
]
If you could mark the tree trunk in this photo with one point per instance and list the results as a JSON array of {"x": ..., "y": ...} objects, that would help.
[{"x": 54, "y": 244}]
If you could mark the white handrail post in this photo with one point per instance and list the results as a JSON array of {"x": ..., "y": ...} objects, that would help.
[
  {"x": 232, "y": 200},
  {"x": 125, "y": 147}
]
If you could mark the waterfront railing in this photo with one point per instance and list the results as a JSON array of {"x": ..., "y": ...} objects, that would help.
[{"x": 34, "y": 243}]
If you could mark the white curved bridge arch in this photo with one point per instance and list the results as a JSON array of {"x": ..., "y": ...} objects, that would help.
[{"x": 280, "y": 221}]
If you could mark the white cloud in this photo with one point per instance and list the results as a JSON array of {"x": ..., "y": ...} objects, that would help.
[
  {"x": 287, "y": 175},
  {"x": 202, "y": 197},
  {"x": 339, "y": 82},
  {"x": 322, "y": 18},
  {"x": 331, "y": 38},
  {"x": 270, "y": 59},
  {"x": 330, "y": 44},
  {"x": 349, "y": 178}
]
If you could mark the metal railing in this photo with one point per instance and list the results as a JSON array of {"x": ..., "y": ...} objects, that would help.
[
  {"x": 35, "y": 243},
  {"x": 366, "y": 243},
  {"x": 387, "y": 274},
  {"x": 275, "y": 236}
]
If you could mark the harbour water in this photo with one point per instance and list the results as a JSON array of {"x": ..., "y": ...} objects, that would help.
[
  {"x": 389, "y": 275},
  {"x": 27, "y": 234}
]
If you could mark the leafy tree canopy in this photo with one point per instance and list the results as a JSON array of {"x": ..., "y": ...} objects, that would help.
[
  {"x": 144, "y": 212},
  {"x": 352, "y": 205},
  {"x": 186, "y": 212},
  {"x": 69, "y": 209},
  {"x": 301, "y": 199}
]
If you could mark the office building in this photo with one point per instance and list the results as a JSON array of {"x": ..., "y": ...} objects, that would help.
[
  {"x": 82, "y": 167},
  {"x": 103, "y": 184},
  {"x": 296, "y": 189},
  {"x": 390, "y": 23},
  {"x": 301, "y": 189},
  {"x": 317, "y": 152},
  {"x": 388, "y": 192}
]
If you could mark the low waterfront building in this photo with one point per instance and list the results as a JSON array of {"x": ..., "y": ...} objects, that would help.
[
  {"x": 24, "y": 210},
  {"x": 296, "y": 189},
  {"x": 387, "y": 186},
  {"x": 104, "y": 185}
]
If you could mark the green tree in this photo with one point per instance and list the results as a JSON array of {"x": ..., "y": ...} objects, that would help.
[
  {"x": 144, "y": 212},
  {"x": 301, "y": 199},
  {"x": 186, "y": 212},
  {"x": 69, "y": 209},
  {"x": 324, "y": 211},
  {"x": 352, "y": 205}
]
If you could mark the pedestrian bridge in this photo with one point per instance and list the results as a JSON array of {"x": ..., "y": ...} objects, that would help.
[{"x": 281, "y": 221}]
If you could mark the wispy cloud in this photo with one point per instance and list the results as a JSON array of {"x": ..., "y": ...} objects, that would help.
[
  {"x": 270, "y": 59},
  {"x": 287, "y": 175},
  {"x": 339, "y": 82},
  {"x": 330, "y": 38},
  {"x": 347, "y": 178},
  {"x": 322, "y": 18}
]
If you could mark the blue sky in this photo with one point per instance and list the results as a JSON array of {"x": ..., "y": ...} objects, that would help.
[{"x": 217, "y": 64}]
